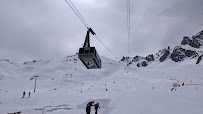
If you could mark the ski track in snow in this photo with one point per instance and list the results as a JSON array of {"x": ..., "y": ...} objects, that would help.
[{"x": 66, "y": 86}]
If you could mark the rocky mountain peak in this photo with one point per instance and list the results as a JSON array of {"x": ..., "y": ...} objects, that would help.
[{"x": 177, "y": 54}]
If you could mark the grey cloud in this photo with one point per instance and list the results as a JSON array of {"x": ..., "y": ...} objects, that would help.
[{"x": 50, "y": 29}]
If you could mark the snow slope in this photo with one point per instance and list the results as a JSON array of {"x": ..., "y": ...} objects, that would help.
[{"x": 66, "y": 86}]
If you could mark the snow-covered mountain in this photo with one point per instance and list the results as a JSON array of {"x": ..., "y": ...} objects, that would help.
[
  {"x": 66, "y": 86},
  {"x": 190, "y": 48}
]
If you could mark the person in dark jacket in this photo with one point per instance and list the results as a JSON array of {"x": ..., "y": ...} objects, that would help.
[
  {"x": 23, "y": 94},
  {"x": 96, "y": 107},
  {"x": 88, "y": 108},
  {"x": 29, "y": 93}
]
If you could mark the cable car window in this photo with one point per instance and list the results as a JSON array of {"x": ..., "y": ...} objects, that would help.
[
  {"x": 81, "y": 50},
  {"x": 86, "y": 51},
  {"x": 92, "y": 50},
  {"x": 95, "y": 53}
]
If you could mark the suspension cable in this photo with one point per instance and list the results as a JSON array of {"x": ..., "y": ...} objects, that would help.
[
  {"x": 129, "y": 28},
  {"x": 77, "y": 14},
  {"x": 72, "y": 6},
  {"x": 128, "y": 24},
  {"x": 105, "y": 46}
]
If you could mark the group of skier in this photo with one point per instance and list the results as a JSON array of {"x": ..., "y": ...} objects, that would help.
[
  {"x": 177, "y": 84},
  {"x": 88, "y": 108},
  {"x": 24, "y": 94}
]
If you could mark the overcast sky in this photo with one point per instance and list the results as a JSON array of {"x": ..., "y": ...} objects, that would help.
[{"x": 45, "y": 29}]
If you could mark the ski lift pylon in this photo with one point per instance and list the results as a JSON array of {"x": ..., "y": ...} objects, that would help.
[{"x": 88, "y": 55}]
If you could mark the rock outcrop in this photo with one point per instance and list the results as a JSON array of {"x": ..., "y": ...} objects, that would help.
[{"x": 179, "y": 53}]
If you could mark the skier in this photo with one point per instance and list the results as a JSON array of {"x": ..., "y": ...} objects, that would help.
[
  {"x": 176, "y": 84},
  {"x": 23, "y": 94},
  {"x": 96, "y": 107},
  {"x": 88, "y": 108},
  {"x": 29, "y": 93}
]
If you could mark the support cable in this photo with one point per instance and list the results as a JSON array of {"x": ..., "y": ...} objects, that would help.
[
  {"x": 106, "y": 46},
  {"x": 78, "y": 15},
  {"x": 128, "y": 24},
  {"x": 72, "y": 6},
  {"x": 128, "y": 28}
]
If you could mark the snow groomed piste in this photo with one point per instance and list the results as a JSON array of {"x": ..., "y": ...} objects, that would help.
[{"x": 67, "y": 82}]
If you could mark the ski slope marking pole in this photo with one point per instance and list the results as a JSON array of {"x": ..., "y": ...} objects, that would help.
[
  {"x": 193, "y": 84},
  {"x": 35, "y": 82}
]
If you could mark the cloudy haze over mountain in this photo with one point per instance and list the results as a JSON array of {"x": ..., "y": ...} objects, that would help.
[{"x": 50, "y": 29}]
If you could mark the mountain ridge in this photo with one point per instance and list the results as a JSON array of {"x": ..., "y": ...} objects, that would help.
[{"x": 190, "y": 47}]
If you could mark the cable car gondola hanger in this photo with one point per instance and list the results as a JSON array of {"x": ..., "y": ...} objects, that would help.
[{"x": 88, "y": 55}]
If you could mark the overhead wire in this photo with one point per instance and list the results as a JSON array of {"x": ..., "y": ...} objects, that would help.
[
  {"x": 127, "y": 12},
  {"x": 77, "y": 14},
  {"x": 105, "y": 46},
  {"x": 72, "y": 6},
  {"x": 128, "y": 24},
  {"x": 128, "y": 28}
]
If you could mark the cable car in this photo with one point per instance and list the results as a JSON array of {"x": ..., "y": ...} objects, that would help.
[{"x": 88, "y": 55}]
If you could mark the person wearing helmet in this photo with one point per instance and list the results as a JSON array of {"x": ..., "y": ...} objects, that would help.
[
  {"x": 88, "y": 108},
  {"x": 96, "y": 107}
]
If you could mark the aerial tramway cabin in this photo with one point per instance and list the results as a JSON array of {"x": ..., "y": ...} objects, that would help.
[{"x": 88, "y": 55}]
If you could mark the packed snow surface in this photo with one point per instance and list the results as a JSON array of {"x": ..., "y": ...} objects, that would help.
[{"x": 65, "y": 86}]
